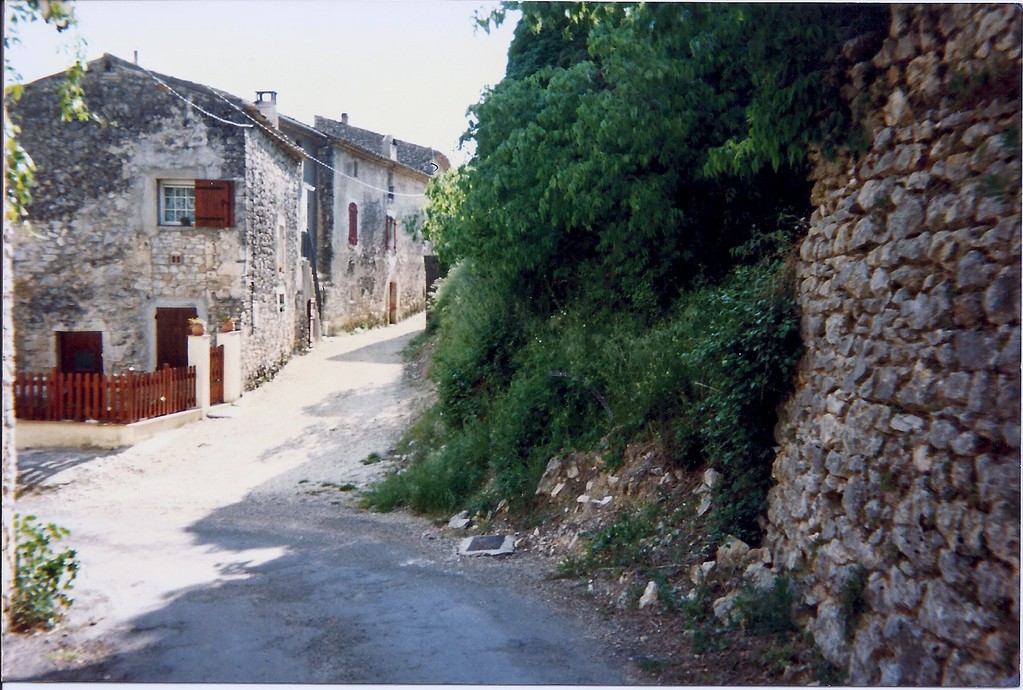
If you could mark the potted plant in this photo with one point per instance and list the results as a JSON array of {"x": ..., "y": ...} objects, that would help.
[
  {"x": 227, "y": 325},
  {"x": 196, "y": 326}
]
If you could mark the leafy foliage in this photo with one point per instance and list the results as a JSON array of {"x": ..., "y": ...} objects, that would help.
[
  {"x": 620, "y": 241},
  {"x": 617, "y": 545},
  {"x": 42, "y": 577},
  {"x": 852, "y": 599},
  {"x": 769, "y": 612},
  {"x": 19, "y": 169}
]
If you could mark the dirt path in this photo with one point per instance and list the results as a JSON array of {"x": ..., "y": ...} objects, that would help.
[{"x": 226, "y": 552}]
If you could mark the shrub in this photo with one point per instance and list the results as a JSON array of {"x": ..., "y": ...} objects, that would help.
[
  {"x": 767, "y": 613},
  {"x": 619, "y": 544},
  {"x": 42, "y": 578}
]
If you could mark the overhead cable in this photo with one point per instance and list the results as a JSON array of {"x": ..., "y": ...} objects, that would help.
[{"x": 273, "y": 133}]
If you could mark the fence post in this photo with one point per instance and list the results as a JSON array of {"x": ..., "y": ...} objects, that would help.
[
  {"x": 232, "y": 343},
  {"x": 199, "y": 357}
]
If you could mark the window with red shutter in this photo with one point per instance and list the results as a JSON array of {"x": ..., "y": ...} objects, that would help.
[
  {"x": 353, "y": 224},
  {"x": 214, "y": 203}
]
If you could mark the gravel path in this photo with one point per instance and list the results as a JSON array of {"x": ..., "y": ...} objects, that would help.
[{"x": 226, "y": 551}]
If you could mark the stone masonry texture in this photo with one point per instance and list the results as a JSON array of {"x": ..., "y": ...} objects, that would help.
[
  {"x": 897, "y": 497},
  {"x": 357, "y": 278}
]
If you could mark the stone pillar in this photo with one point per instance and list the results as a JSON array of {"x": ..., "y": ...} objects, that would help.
[
  {"x": 10, "y": 456},
  {"x": 199, "y": 357},
  {"x": 232, "y": 343}
]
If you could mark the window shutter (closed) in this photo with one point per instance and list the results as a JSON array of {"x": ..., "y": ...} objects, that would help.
[
  {"x": 353, "y": 224},
  {"x": 390, "y": 240},
  {"x": 214, "y": 203}
]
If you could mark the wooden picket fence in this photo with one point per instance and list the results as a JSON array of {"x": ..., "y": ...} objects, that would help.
[{"x": 114, "y": 399}]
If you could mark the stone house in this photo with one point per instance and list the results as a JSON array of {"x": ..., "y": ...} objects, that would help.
[
  {"x": 364, "y": 214},
  {"x": 184, "y": 203}
]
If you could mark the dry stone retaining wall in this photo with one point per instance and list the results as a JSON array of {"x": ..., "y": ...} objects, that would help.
[{"x": 897, "y": 500}]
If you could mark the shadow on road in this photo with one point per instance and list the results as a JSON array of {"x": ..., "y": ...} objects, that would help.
[
  {"x": 380, "y": 352},
  {"x": 351, "y": 598},
  {"x": 35, "y": 466}
]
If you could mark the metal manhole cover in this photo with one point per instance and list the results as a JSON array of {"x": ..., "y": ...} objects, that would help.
[
  {"x": 494, "y": 545},
  {"x": 486, "y": 543}
]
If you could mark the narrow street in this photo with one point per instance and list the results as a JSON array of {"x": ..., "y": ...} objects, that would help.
[{"x": 231, "y": 550}]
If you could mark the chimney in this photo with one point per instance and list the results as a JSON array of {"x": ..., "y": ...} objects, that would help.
[
  {"x": 390, "y": 147},
  {"x": 266, "y": 102},
  {"x": 344, "y": 118}
]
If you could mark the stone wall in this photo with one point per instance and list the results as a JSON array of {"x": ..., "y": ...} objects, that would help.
[
  {"x": 9, "y": 451},
  {"x": 356, "y": 287},
  {"x": 273, "y": 269},
  {"x": 897, "y": 503}
]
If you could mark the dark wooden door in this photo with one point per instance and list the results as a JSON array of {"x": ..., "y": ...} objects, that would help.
[
  {"x": 172, "y": 336},
  {"x": 217, "y": 375},
  {"x": 392, "y": 303},
  {"x": 80, "y": 352}
]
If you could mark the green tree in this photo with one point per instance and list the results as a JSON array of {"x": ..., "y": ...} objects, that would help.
[
  {"x": 18, "y": 166},
  {"x": 18, "y": 179},
  {"x": 620, "y": 234}
]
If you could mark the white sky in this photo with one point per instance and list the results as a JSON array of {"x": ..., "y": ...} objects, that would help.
[{"x": 410, "y": 68}]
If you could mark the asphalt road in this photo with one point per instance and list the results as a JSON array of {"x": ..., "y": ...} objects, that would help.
[{"x": 226, "y": 552}]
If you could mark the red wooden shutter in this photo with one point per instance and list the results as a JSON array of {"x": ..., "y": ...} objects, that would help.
[
  {"x": 214, "y": 203},
  {"x": 353, "y": 224}
]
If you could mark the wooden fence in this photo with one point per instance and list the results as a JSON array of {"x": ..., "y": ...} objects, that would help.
[{"x": 117, "y": 399}]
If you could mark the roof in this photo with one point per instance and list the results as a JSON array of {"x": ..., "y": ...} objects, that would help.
[
  {"x": 423, "y": 159},
  {"x": 212, "y": 102}
]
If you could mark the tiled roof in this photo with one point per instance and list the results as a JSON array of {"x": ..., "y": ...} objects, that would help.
[
  {"x": 220, "y": 104},
  {"x": 421, "y": 158}
]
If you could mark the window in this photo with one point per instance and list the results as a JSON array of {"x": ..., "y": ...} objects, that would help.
[
  {"x": 353, "y": 224},
  {"x": 391, "y": 234},
  {"x": 177, "y": 203},
  {"x": 204, "y": 203}
]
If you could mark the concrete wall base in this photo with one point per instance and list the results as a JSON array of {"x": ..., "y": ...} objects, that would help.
[{"x": 95, "y": 435}]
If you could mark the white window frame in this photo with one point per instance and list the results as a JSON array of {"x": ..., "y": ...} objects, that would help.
[{"x": 162, "y": 201}]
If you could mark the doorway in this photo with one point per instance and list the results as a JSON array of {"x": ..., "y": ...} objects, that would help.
[
  {"x": 172, "y": 335},
  {"x": 392, "y": 303}
]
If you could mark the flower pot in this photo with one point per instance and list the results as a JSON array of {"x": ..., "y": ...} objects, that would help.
[
  {"x": 227, "y": 325},
  {"x": 197, "y": 329}
]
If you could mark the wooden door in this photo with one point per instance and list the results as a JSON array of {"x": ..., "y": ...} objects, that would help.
[
  {"x": 392, "y": 303},
  {"x": 172, "y": 336},
  {"x": 80, "y": 352},
  {"x": 217, "y": 375}
]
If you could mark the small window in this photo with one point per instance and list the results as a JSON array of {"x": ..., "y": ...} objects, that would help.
[
  {"x": 177, "y": 202},
  {"x": 205, "y": 203},
  {"x": 353, "y": 224}
]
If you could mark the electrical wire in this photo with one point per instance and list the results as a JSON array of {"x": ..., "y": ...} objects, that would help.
[
  {"x": 192, "y": 105},
  {"x": 291, "y": 144},
  {"x": 273, "y": 134}
]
